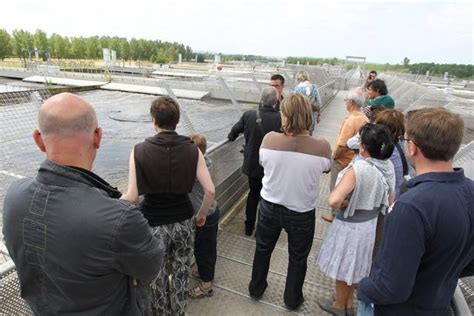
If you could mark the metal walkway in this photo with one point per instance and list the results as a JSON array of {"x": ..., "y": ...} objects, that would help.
[{"x": 236, "y": 251}]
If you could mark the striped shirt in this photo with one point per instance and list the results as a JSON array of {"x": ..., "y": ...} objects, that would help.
[{"x": 293, "y": 166}]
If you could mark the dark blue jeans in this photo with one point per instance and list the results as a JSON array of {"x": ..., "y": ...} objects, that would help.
[
  {"x": 272, "y": 219},
  {"x": 205, "y": 247}
]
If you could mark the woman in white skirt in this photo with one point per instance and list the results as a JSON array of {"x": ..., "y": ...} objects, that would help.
[{"x": 364, "y": 188}]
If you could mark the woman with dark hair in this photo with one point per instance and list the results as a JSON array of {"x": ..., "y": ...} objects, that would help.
[
  {"x": 377, "y": 96},
  {"x": 395, "y": 122},
  {"x": 365, "y": 189},
  {"x": 163, "y": 169}
]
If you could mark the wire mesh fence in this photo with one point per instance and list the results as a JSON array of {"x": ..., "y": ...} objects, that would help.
[{"x": 126, "y": 121}]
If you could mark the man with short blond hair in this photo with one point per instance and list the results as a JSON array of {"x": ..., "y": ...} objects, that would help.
[
  {"x": 77, "y": 247},
  {"x": 427, "y": 243}
]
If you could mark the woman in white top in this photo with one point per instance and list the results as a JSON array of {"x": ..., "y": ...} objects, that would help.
[{"x": 293, "y": 163}]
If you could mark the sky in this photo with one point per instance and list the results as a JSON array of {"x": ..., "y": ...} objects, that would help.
[{"x": 381, "y": 31}]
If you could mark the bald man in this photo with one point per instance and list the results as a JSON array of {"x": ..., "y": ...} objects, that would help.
[{"x": 77, "y": 247}]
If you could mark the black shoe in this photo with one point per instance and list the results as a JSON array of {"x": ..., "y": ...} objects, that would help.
[
  {"x": 257, "y": 297},
  {"x": 248, "y": 230},
  {"x": 292, "y": 308}
]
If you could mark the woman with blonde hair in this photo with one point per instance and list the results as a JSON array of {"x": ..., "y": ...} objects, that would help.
[
  {"x": 293, "y": 163},
  {"x": 310, "y": 90}
]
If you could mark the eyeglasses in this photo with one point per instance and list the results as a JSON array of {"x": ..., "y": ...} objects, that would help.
[
  {"x": 403, "y": 138},
  {"x": 276, "y": 85}
]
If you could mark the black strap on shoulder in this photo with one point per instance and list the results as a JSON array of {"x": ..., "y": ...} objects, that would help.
[
  {"x": 259, "y": 120},
  {"x": 404, "y": 159}
]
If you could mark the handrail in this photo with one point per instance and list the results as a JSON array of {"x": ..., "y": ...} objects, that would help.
[
  {"x": 459, "y": 304},
  {"x": 7, "y": 266},
  {"x": 216, "y": 146}
]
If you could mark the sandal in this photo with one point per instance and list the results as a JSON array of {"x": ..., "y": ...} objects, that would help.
[
  {"x": 195, "y": 274},
  {"x": 328, "y": 217},
  {"x": 200, "y": 292}
]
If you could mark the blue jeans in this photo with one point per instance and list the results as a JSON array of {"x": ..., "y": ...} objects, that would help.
[
  {"x": 272, "y": 218},
  {"x": 365, "y": 309}
]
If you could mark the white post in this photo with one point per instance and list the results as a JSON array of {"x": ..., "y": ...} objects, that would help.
[{"x": 180, "y": 59}]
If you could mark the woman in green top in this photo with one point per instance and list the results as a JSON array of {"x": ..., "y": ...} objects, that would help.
[{"x": 377, "y": 97}]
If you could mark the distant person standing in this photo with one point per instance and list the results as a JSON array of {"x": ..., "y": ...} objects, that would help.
[
  {"x": 371, "y": 77},
  {"x": 310, "y": 90},
  {"x": 278, "y": 82},
  {"x": 254, "y": 124},
  {"x": 428, "y": 235}
]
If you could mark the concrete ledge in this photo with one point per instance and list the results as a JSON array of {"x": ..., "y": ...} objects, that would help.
[
  {"x": 180, "y": 93},
  {"x": 178, "y": 74},
  {"x": 63, "y": 81}
]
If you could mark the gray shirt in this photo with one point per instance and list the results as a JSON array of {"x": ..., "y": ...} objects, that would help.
[{"x": 375, "y": 182}]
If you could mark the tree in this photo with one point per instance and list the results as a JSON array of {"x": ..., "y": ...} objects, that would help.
[
  {"x": 200, "y": 58},
  {"x": 78, "y": 47},
  {"x": 93, "y": 48},
  {"x": 22, "y": 44},
  {"x": 5, "y": 44},
  {"x": 189, "y": 53},
  {"x": 59, "y": 46},
  {"x": 160, "y": 56},
  {"x": 124, "y": 49},
  {"x": 40, "y": 42},
  {"x": 406, "y": 61}
]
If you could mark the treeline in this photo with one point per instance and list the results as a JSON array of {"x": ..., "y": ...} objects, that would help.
[
  {"x": 21, "y": 43},
  {"x": 236, "y": 57},
  {"x": 313, "y": 61},
  {"x": 202, "y": 56},
  {"x": 458, "y": 71}
]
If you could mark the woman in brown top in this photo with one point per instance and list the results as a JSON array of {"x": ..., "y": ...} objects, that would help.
[{"x": 163, "y": 169}]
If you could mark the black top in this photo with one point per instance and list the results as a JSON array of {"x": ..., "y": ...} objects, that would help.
[
  {"x": 247, "y": 124},
  {"x": 166, "y": 167}
]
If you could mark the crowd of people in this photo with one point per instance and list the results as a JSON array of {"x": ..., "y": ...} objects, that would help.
[{"x": 81, "y": 246}]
